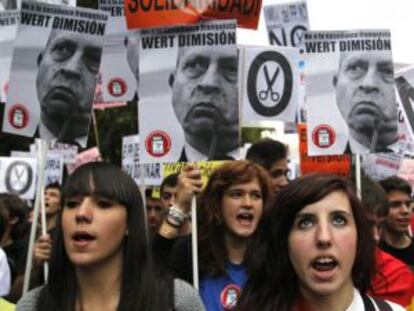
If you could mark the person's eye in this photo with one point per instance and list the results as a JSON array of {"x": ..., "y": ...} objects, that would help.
[
  {"x": 256, "y": 195},
  {"x": 104, "y": 203},
  {"x": 166, "y": 196},
  {"x": 195, "y": 67},
  {"x": 72, "y": 203},
  {"x": 339, "y": 220},
  {"x": 92, "y": 61},
  {"x": 356, "y": 70},
  {"x": 387, "y": 73},
  {"x": 235, "y": 194},
  {"x": 305, "y": 222},
  {"x": 229, "y": 70},
  {"x": 62, "y": 51}
]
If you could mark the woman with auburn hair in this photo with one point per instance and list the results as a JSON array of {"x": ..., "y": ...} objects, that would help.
[
  {"x": 101, "y": 258},
  {"x": 314, "y": 251},
  {"x": 229, "y": 210}
]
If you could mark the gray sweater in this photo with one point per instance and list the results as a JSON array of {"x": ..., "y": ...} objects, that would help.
[{"x": 186, "y": 298}]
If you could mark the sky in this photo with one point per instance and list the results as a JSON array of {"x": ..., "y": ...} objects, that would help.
[{"x": 396, "y": 15}]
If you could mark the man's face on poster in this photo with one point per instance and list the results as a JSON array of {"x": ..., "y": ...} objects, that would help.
[
  {"x": 65, "y": 82},
  {"x": 204, "y": 94},
  {"x": 365, "y": 92}
]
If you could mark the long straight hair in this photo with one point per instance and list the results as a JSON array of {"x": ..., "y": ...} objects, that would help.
[
  {"x": 273, "y": 283},
  {"x": 141, "y": 289}
]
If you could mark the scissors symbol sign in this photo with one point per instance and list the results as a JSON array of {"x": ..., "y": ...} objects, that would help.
[{"x": 264, "y": 94}]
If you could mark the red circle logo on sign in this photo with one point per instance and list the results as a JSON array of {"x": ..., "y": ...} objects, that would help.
[
  {"x": 323, "y": 136},
  {"x": 158, "y": 143},
  {"x": 18, "y": 116},
  {"x": 229, "y": 296},
  {"x": 117, "y": 87}
]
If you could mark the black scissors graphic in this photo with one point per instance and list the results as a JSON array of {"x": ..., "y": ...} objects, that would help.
[{"x": 264, "y": 94}]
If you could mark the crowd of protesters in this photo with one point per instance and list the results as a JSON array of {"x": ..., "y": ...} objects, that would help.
[{"x": 264, "y": 242}]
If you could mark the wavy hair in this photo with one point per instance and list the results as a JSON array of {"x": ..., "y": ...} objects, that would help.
[
  {"x": 273, "y": 283},
  {"x": 140, "y": 287},
  {"x": 213, "y": 253}
]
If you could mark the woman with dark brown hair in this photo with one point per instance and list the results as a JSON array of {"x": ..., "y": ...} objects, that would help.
[
  {"x": 314, "y": 251},
  {"x": 228, "y": 213}
]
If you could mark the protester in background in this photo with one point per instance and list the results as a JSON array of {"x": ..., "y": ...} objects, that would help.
[
  {"x": 228, "y": 213},
  {"x": 155, "y": 211},
  {"x": 101, "y": 260},
  {"x": 395, "y": 238},
  {"x": 314, "y": 251},
  {"x": 168, "y": 190},
  {"x": 272, "y": 155},
  {"x": 15, "y": 241},
  {"x": 5, "y": 274},
  {"x": 393, "y": 279},
  {"x": 43, "y": 246}
]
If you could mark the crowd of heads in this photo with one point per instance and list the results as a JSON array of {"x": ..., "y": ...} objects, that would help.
[{"x": 292, "y": 234}]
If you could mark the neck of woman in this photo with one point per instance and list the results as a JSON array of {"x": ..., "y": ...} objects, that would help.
[
  {"x": 339, "y": 301},
  {"x": 236, "y": 248},
  {"x": 99, "y": 286}
]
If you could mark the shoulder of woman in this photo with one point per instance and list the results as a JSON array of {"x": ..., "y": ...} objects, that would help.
[
  {"x": 186, "y": 297},
  {"x": 29, "y": 300}
]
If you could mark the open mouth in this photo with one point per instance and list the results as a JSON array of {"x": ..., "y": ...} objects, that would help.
[
  {"x": 245, "y": 218},
  {"x": 323, "y": 264},
  {"x": 83, "y": 237}
]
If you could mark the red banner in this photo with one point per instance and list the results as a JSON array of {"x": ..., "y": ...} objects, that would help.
[{"x": 156, "y": 13}]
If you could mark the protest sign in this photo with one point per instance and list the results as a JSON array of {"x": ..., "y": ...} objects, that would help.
[
  {"x": 206, "y": 169},
  {"x": 18, "y": 176},
  {"x": 334, "y": 164},
  {"x": 143, "y": 174},
  {"x": 406, "y": 171},
  {"x": 147, "y": 14},
  {"x": 381, "y": 165},
  {"x": 8, "y": 5},
  {"x": 17, "y": 4},
  {"x": 98, "y": 101},
  {"x": 55, "y": 63},
  {"x": 404, "y": 82},
  {"x": 189, "y": 72},
  {"x": 286, "y": 23},
  {"x": 8, "y": 30},
  {"x": 89, "y": 155},
  {"x": 53, "y": 166},
  {"x": 351, "y": 106},
  {"x": 270, "y": 82},
  {"x": 119, "y": 83},
  {"x": 68, "y": 152}
]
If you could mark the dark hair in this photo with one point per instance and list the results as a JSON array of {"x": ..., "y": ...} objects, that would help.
[
  {"x": 267, "y": 152},
  {"x": 273, "y": 283},
  {"x": 395, "y": 183},
  {"x": 213, "y": 253},
  {"x": 140, "y": 289},
  {"x": 373, "y": 198},
  {"x": 4, "y": 221},
  {"x": 170, "y": 181},
  {"x": 17, "y": 208},
  {"x": 54, "y": 185}
]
